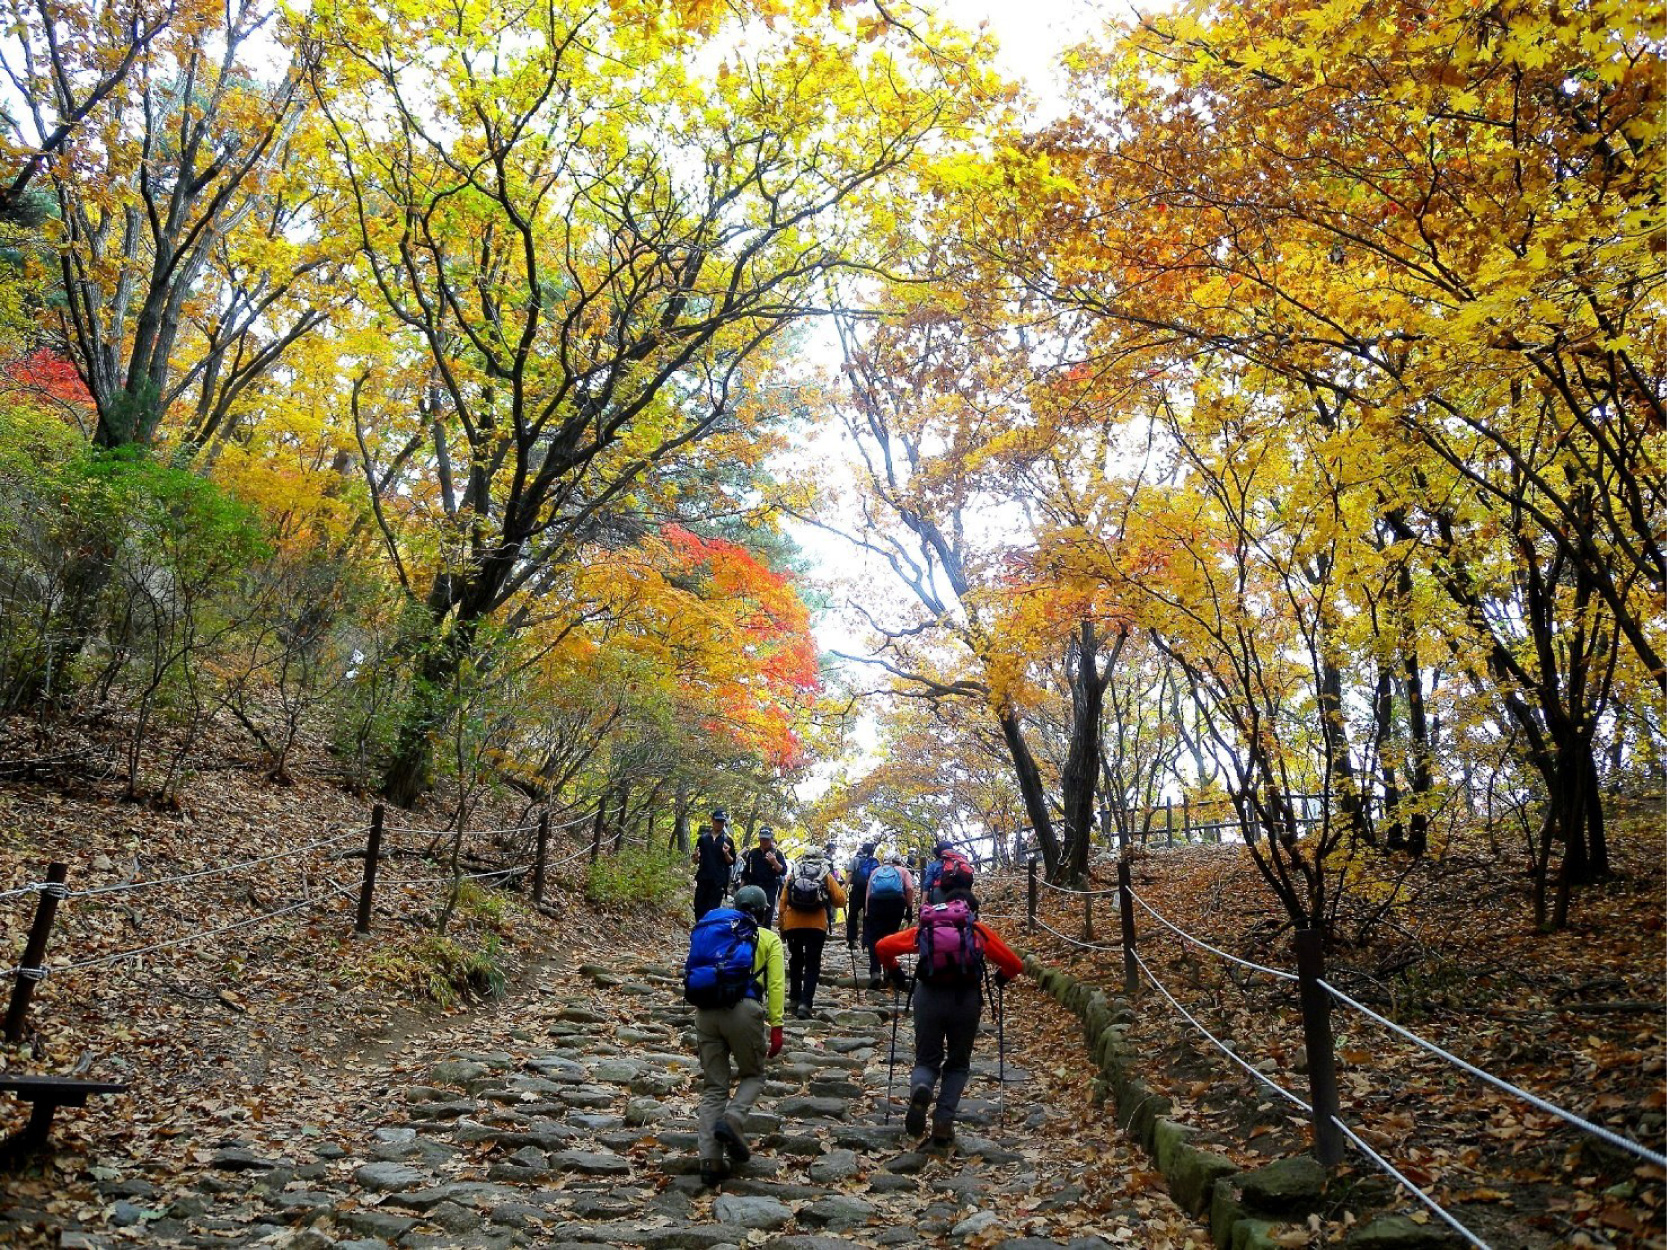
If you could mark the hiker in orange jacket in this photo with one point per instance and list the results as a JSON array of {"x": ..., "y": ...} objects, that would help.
[
  {"x": 810, "y": 889},
  {"x": 953, "y": 947}
]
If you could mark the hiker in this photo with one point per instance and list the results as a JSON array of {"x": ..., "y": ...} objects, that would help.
[
  {"x": 811, "y": 889},
  {"x": 945, "y": 860},
  {"x": 857, "y": 872},
  {"x": 714, "y": 853},
  {"x": 735, "y": 979},
  {"x": 830, "y": 852},
  {"x": 948, "y": 997},
  {"x": 764, "y": 867},
  {"x": 888, "y": 907}
]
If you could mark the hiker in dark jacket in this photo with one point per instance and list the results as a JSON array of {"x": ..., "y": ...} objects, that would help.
[
  {"x": 714, "y": 853},
  {"x": 765, "y": 866},
  {"x": 947, "y": 1004},
  {"x": 856, "y": 882},
  {"x": 889, "y": 903}
]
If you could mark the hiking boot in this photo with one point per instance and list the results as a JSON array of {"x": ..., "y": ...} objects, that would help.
[
  {"x": 802, "y": 1011},
  {"x": 875, "y": 983},
  {"x": 733, "y": 1143},
  {"x": 943, "y": 1136},
  {"x": 712, "y": 1173},
  {"x": 914, "y": 1119}
]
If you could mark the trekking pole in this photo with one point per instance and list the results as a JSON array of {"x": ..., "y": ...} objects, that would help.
[
  {"x": 1001, "y": 1049},
  {"x": 891, "y": 1064}
]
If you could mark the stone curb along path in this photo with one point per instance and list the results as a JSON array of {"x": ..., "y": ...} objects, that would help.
[{"x": 572, "y": 1125}]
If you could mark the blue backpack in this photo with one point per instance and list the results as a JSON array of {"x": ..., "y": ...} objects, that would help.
[
  {"x": 887, "y": 882},
  {"x": 718, "y": 971}
]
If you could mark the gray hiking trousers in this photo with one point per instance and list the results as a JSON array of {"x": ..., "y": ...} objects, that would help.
[
  {"x": 946, "y": 1025},
  {"x": 740, "y": 1032}
]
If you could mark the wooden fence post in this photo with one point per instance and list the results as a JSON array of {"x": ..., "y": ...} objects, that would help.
[
  {"x": 373, "y": 855},
  {"x": 542, "y": 856},
  {"x": 1169, "y": 821},
  {"x": 1125, "y": 905},
  {"x": 1030, "y": 904},
  {"x": 1087, "y": 917},
  {"x": 1317, "y": 1039},
  {"x": 34, "y": 951}
]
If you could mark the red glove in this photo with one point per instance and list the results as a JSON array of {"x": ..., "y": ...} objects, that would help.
[{"x": 775, "y": 1041}]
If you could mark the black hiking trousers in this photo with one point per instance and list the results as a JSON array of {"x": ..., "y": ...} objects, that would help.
[
  {"x": 804, "y": 963},
  {"x": 708, "y": 894}
]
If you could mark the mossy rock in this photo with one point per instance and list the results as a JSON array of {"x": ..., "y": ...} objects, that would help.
[
  {"x": 1192, "y": 1175},
  {"x": 1254, "y": 1235},
  {"x": 1138, "y": 1111},
  {"x": 1168, "y": 1136},
  {"x": 1226, "y": 1210},
  {"x": 1293, "y": 1186},
  {"x": 1396, "y": 1232}
]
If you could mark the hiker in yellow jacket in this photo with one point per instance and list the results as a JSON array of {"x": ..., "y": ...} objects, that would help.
[{"x": 749, "y": 1032}]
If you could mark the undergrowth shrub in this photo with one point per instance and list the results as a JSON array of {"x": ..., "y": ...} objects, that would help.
[
  {"x": 443, "y": 969},
  {"x": 637, "y": 877}
]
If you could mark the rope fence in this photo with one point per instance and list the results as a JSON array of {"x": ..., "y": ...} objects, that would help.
[
  {"x": 33, "y": 967},
  {"x": 1317, "y": 998},
  {"x": 1441, "y": 1212},
  {"x": 1202, "y": 944},
  {"x": 1220, "y": 1045},
  {"x": 1596, "y": 1130},
  {"x": 130, "y": 887}
]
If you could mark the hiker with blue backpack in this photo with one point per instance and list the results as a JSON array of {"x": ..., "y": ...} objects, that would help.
[
  {"x": 735, "y": 978},
  {"x": 889, "y": 902},
  {"x": 952, "y": 947}
]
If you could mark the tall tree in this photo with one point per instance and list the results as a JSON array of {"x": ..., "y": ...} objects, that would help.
[{"x": 596, "y": 231}]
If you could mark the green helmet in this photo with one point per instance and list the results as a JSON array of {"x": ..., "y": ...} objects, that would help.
[{"x": 751, "y": 899}]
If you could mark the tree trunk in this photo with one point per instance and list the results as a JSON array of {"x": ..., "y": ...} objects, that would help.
[
  {"x": 411, "y": 770},
  {"x": 1030, "y": 787},
  {"x": 1383, "y": 715},
  {"x": 1082, "y": 760}
]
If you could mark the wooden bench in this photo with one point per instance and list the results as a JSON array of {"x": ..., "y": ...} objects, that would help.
[{"x": 47, "y": 1094}]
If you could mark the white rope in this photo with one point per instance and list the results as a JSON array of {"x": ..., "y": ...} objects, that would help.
[
  {"x": 565, "y": 859},
  {"x": 131, "y": 886},
  {"x": 1416, "y": 1192},
  {"x": 1087, "y": 946},
  {"x": 471, "y": 876},
  {"x": 1214, "y": 950},
  {"x": 467, "y": 833},
  {"x": 1597, "y": 1130},
  {"x": 1219, "y": 1044},
  {"x": 1065, "y": 889},
  {"x": 205, "y": 933},
  {"x": 34, "y": 887}
]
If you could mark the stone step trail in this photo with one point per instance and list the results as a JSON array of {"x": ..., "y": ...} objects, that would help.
[{"x": 576, "y": 1129}]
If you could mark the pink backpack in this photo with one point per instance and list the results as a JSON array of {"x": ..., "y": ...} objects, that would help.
[{"x": 950, "y": 945}]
